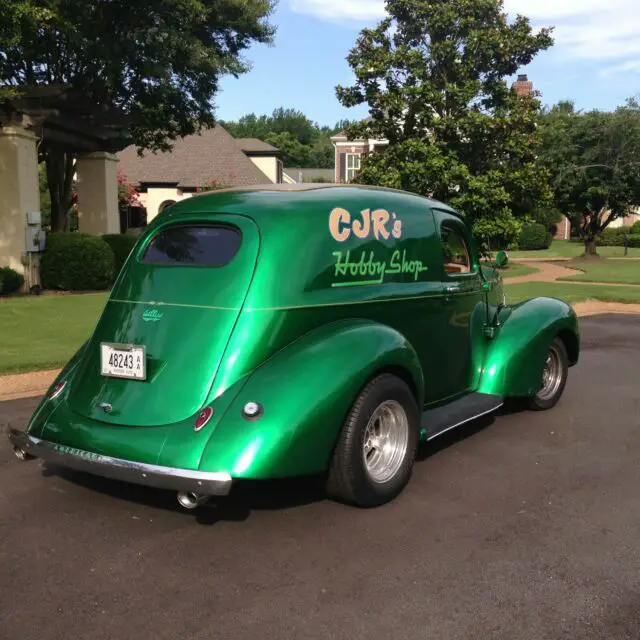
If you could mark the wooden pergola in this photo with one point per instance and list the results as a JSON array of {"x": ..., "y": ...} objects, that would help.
[{"x": 61, "y": 117}]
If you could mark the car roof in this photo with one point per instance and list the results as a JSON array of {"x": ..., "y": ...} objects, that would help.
[{"x": 316, "y": 186}]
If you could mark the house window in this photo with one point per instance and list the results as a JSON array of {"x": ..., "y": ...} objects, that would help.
[
  {"x": 280, "y": 172},
  {"x": 353, "y": 165}
]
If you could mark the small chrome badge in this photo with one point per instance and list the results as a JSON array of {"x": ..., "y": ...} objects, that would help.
[
  {"x": 152, "y": 315},
  {"x": 105, "y": 406}
]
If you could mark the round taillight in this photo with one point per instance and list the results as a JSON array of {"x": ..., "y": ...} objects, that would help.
[
  {"x": 58, "y": 389},
  {"x": 203, "y": 417}
]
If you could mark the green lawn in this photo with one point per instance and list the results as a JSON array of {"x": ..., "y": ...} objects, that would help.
[
  {"x": 515, "y": 269},
  {"x": 566, "y": 249},
  {"x": 44, "y": 332},
  {"x": 606, "y": 271},
  {"x": 571, "y": 293}
]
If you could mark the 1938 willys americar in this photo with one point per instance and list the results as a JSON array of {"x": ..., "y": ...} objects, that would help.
[{"x": 279, "y": 331}]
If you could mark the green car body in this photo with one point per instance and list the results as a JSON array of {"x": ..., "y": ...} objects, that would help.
[{"x": 312, "y": 293}]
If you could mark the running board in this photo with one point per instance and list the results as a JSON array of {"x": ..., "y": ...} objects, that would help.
[{"x": 437, "y": 421}]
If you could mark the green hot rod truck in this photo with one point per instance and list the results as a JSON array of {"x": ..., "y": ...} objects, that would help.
[{"x": 280, "y": 331}]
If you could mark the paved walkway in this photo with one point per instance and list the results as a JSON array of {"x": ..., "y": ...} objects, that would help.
[
  {"x": 550, "y": 272},
  {"x": 564, "y": 259}
]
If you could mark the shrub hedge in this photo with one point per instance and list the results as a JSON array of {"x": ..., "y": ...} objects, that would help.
[
  {"x": 10, "y": 281},
  {"x": 121, "y": 245},
  {"x": 77, "y": 262},
  {"x": 534, "y": 236},
  {"x": 614, "y": 237}
]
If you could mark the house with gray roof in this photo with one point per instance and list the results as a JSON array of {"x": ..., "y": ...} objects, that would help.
[{"x": 211, "y": 158}]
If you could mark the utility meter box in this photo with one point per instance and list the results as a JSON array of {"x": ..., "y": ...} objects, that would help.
[
  {"x": 35, "y": 235},
  {"x": 34, "y": 218},
  {"x": 35, "y": 240}
]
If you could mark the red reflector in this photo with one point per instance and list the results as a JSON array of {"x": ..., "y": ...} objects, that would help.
[
  {"x": 57, "y": 390},
  {"x": 203, "y": 417}
]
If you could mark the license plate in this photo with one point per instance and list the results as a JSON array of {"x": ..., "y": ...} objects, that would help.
[{"x": 123, "y": 361}]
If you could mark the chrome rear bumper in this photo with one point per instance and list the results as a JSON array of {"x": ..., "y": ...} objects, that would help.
[{"x": 202, "y": 482}]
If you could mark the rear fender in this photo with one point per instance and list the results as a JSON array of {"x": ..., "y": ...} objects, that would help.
[
  {"x": 516, "y": 356},
  {"x": 306, "y": 391},
  {"x": 46, "y": 406}
]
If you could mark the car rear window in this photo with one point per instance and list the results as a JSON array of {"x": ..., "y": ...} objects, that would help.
[{"x": 206, "y": 245}]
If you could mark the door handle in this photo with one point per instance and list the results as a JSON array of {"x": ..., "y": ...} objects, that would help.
[{"x": 452, "y": 288}]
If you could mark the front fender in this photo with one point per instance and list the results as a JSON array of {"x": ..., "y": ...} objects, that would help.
[
  {"x": 516, "y": 356},
  {"x": 306, "y": 391}
]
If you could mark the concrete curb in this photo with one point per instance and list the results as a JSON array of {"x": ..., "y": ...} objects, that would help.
[{"x": 26, "y": 385}]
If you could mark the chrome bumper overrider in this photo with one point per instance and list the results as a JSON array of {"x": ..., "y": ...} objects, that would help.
[{"x": 202, "y": 482}]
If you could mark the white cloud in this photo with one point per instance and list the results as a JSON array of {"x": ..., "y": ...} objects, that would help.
[
  {"x": 363, "y": 10},
  {"x": 584, "y": 29},
  {"x": 627, "y": 68}
]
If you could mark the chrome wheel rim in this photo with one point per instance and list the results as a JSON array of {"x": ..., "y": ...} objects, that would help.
[
  {"x": 552, "y": 375},
  {"x": 386, "y": 440}
]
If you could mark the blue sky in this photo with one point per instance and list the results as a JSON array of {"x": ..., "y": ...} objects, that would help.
[{"x": 595, "y": 60}]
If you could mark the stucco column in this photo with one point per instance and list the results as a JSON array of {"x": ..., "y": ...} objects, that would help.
[
  {"x": 19, "y": 194},
  {"x": 97, "y": 179}
]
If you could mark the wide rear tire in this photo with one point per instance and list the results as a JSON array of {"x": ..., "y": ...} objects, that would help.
[{"x": 375, "y": 453}]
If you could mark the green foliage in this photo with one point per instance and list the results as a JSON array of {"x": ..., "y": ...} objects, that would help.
[
  {"x": 616, "y": 237},
  {"x": 435, "y": 76},
  {"x": 548, "y": 216},
  {"x": 121, "y": 244},
  {"x": 613, "y": 237},
  {"x": 594, "y": 161},
  {"x": 295, "y": 152},
  {"x": 635, "y": 227},
  {"x": 10, "y": 281},
  {"x": 304, "y": 143},
  {"x": 633, "y": 241},
  {"x": 160, "y": 65},
  {"x": 77, "y": 262},
  {"x": 500, "y": 232},
  {"x": 534, "y": 236}
]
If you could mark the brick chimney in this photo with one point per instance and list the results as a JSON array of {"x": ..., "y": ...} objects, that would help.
[{"x": 523, "y": 85}]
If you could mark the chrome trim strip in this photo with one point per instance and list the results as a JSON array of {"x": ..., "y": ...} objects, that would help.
[
  {"x": 459, "y": 424},
  {"x": 204, "y": 482}
]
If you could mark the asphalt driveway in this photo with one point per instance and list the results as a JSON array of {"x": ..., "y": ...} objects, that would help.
[{"x": 524, "y": 526}]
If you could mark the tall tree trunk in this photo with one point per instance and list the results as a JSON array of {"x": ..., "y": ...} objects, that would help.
[
  {"x": 60, "y": 169},
  {"x": 590, "y": 247}
]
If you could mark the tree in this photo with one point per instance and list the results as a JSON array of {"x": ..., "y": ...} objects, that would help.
[
  {"x": 594, "y": 160},
  {"x": 15, "y": 16},
  {"x": 305, "y": 144},
  {"x": 434, "y": 74},
  {"x": 157, "y": 61}
]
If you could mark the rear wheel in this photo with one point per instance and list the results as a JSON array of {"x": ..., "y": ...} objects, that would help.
[
  {"x": 554, "y": 377},
  {"x": 375, "y": 453}
]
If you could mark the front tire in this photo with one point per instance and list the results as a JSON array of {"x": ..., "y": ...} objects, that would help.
[
  {"x": 374, "y": 456},
  {"x": 554, "y": 377}
]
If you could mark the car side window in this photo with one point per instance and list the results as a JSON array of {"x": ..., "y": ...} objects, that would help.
[{"x": 457, "y": 258}]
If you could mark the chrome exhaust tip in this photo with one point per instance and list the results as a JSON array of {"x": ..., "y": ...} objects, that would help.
[
  {"x": 21, "y": 454},
  {"x": 191, "y": 500}
]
